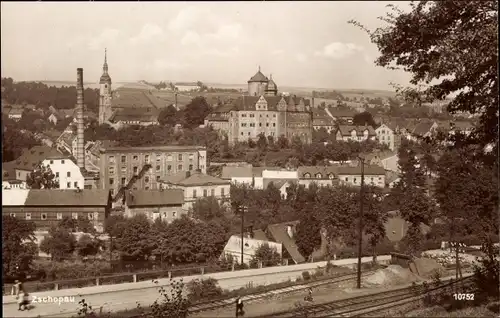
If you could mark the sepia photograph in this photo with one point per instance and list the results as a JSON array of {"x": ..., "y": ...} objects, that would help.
[{"x": 250, "y": 159}]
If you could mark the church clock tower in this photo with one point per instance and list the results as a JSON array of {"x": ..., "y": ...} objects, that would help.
[{"x": 105, "y": 95}]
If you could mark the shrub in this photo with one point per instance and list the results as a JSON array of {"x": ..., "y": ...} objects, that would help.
[
  {"x": 203, "y": 289},
  {"x": 306, "y": 275},
  {"x": 72, "y": 269}
]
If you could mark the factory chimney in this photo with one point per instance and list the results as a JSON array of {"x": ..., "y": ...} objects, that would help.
[{"x": 80, "y": 151}]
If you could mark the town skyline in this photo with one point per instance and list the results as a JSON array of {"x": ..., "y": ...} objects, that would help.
[{"x": 191, "y": 42}]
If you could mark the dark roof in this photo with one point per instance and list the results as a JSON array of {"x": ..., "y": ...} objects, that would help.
[
  {"x": 346, "y": 130},
  {"x": 32, "y": 157},
  {"x": 229, "y": 172},
  {"x": 258, "y": 77},
  {"x": 105, "y": 79},
  {"x": 260, "y": 235},
  {"x": 135, "y": 98},
  {"x": 193, "y": 178},
  {"x": 396, "y": 228},
  {"x": 243, "y": 103},
  {"x": 271, "y": 85},
  {"x": 155, "y": 197},
  {"x": 8, "y": 171},
  {"x": 422, "y": 128},
  {"x": 56, "y": 197},
  {"x": 341, "y": 112},
  {"x": 280, "y": 235},
  {"x": 152, "y": 148},
  {"x": 368, "y": 169},
  {"x": 325, "y": 171}
]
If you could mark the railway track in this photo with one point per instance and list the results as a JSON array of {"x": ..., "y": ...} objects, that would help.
[
  {"x": 366, "y": 304},
  {"x": 230, "y": 301}
]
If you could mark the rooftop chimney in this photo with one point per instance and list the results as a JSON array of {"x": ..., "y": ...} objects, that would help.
[{"x": 80, "y": 150}]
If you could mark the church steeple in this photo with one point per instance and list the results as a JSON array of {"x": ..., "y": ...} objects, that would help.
[{"x": 105, "y": 78}]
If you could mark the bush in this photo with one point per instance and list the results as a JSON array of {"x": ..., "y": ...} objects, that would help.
[
  {"x": 203, "y": 289},
  {"x": 72, "y": 269},
  {"x": 306, "y": 275}
]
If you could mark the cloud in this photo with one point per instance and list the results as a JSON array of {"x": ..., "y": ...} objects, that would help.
[
  {"x": 95, "y": 42},
  {"x": 169, "y": 64},
  {"x": 277, "y": 52},
  {"x": 223, "y": 53},
  {"x": 148, "y": 32},
  {"x": 301, "y": 57},
  {"x": 339, "y": 50},
  {"x": 189, "y": 18}
]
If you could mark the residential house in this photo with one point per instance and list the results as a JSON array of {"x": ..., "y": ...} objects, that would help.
[
  {"x": 355, "y": 133},
  {"x": 9, "y": 180},
  {"x": 464, "y": 127},
  {"x": 374, "y": 175},
  {"x": 67, "y": 142},
  {"x": 46, "y": 208},
  {"x": 250, "y": 247},
  {"x": 143, "y": 116},
  {"x": 284, "y": 233},
  {"x": 65, "y": 170},
  {"x": 197, "y": 185},
  {"x": 163, "y": 204},
  {"x": 254, "y": 176},
  {"x": 385, "y": 135},
  {"x": 281, "y": 185},
  {"x": 14, "y": 113},
  {"x": 396, "y": 227},
  {"x": 321, "y": 119},
  {"x": 320, "y": 175},
  {"x": 54, "y": 118},
  {"x": 219, "y": 119},
  {"x": 389, "y": 160},
  {"x": 391, "y": 179},
  {"x": 422, "y": 130},
  {"x": 341, "y": 115}
]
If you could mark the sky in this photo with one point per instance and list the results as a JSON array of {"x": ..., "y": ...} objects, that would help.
[{"x": 302, "y": 44}]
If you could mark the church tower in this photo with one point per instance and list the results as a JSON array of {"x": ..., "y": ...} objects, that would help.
[{"x": 105, "y": 95}]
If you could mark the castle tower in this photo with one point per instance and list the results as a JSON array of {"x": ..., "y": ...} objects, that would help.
[
  {"x": 257, "y": 84},
  {"x": 271, "y": 87},
  {"x": 105, "y": 96}
]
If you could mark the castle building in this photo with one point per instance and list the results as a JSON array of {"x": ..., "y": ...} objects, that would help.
[
  {"x": 105, "y": 93},
  {"x": 263, "y": 112}
]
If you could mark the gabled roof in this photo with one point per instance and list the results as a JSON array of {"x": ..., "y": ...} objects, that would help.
[
  {"x": 422, "y": 128},
  {"x": 280, "y": 235},
  {"x": 258, "y": 77},
  {"x": 260, "y": 235},
  {"x": 32, "y": 157},
  {"x": 67, "y": 137},
  {"x": 396, "y": 228},
  {"x": 278, "y": 183},
  {"x": 155, "y": 197},
  {"x": 325, "y": 171},
  {"x": 57, "y": 197},
  {"x": 346, "y": 130},
  {"x": 368, "y": 169},
  {"x": 336, "y": 112},
  {"x": 193, "y": 178},
  {"x": 229, "y": 172},
  {"x": 381, "y": 155},
  {"x": 14, "y": 197}
]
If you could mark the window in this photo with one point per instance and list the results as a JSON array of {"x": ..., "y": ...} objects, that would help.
[
  {"x": 75, "y": 184},
  {"x": 112, "y": 191},
  {"x": 123, "y": 169},
  {"x": 242, "y": 133},
  {"x": 158, "y": 168},
  {"x": 51, "y": 162},
  {"x": 179, "y": 168},
  {"x": 191, "y": 156},
  {"x": 354, "y": 180},
  {"x": 111, "y": 170},
  {"x": 222, "y": 192},
  {"x": 194, "y": 193},
  {"x": 274, "y": 124},
  {"x": 212, "y": 192},
  {"x": 146, "y": 188},
  {"x": 59, "y": 216},
  {"x": 124, "y": 180},
  {"x": 62, "y": 161},
  {"x": 146, "y": 179},
  {"x": 267, "y": 124},
  {"x": 13, "y": 215},
  {"x": 169, "y": 168},
  {"x": 90, "y": 216},
  {"x": 111, "y": 159},
  {"x": 318, "y": 176},
  {"x": 157, "y": 178},
  {"x": 136, "y": 170},
  {"x": 260, "y": 124},
  {"x": 243, "y": 124},
  {"x": 124, "y": 159},
  {"x": 68, "y": 185},
  {"x": 174, "y": 214},
  {"x": 44, "y": 216},
  {"x": 190, "y": 167},
  {"x": 179, "y": 156},
  {"x": 346, "y": 179},
  {"x": 204, "y": 192},
  {"x": 28, "y": 216},
  {"x": 169, "y": 157},
  {"x": 274, "y": 115},
  {"x": 146, "y": 158},
  {"x": 57, "y": 174},
  {"x": 135, "y": 158},
  {"x": 74, "y": 216},
  {"x": 249, "y": 133},
  {"x": 371, "y": 179},
  {"x": 111, "y": 181},
  {"x": 68, "y": 174}
]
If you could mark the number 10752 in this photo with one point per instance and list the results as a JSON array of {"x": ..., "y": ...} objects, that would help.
[{"x": 463, "y": 296}]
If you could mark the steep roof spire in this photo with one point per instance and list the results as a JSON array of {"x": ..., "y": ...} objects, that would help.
[
  {"x": 259, "y": 68},
  {"x": 105, "y": 65}
]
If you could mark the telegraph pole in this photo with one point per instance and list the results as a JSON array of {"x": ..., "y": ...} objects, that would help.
[
  {"x": 360, "y": 233},
  {"x": 242, "y": 209}
]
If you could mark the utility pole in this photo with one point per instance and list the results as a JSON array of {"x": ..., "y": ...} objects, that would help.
[
  {"x": 360, "y": 230},
  {"x": 242, "y": 211}
]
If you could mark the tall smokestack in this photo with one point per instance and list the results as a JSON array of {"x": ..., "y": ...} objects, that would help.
[{"x": 80, "y": 151}]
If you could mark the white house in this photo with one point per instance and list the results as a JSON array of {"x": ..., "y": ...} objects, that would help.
[
  {"x": 355, "y": 133},
  {"x": 255, "y": 176},
  {"x": 250, "y": 247},
  {"x": 385, "y": 135}
]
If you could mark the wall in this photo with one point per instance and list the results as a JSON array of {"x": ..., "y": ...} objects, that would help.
[
  {"x": 167, "y": 213},
  {"x": 61, "y": 167},
  {"x": 189, "y": 199},
  {"x": 22, "y": 174},
  {"x": 233, "y": 247},
  {"x": 378, "y": 180},
  {"x": 280, "y": 174},
  {"x": 385, "y": 135},
  {"x": 319, "y": 182},
  {"x": 391, "y": 163},
  {"x": 14, "y": 185}
]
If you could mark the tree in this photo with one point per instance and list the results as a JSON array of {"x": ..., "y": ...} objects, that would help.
[
  {"x": 364, "y": 118},
  {"x": 207, "y": 209},
  {"x": 267, "y": 255},
  {"x": 308, "y": 235},
  {"x": 42, "y": 178},
  {"x": 168, "y": 116},
  {"x": 282, "y": 142},
  {"x": 132, "y": 238},
  {"x": 17, "y": 252},
  {"x": 196, "y": 111},
  {"x": 438, "y": 41},
  {"x": 87, "y": 245},
  {"x": 59, "y": 243},
  {"x": 14, "y": 141},
  {"x": 262, "y": 142},
  {"x": 374, "y": 218}
]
